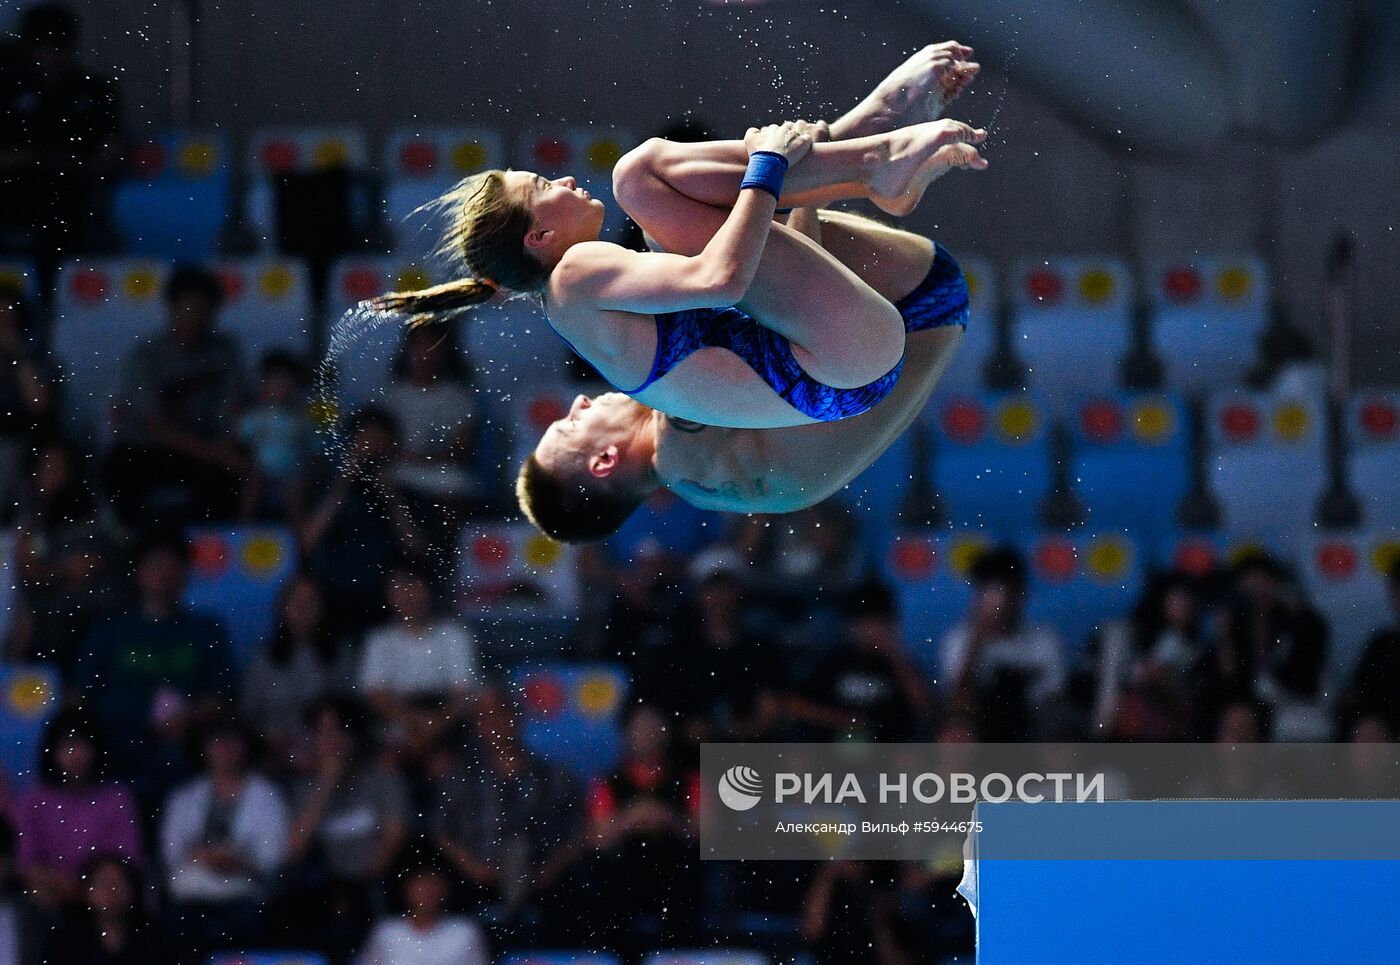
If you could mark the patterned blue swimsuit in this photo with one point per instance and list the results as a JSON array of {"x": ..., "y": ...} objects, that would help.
[{"x": 940, "y": 299}]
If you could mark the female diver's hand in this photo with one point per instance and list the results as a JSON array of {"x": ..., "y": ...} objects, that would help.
[{"x": 786, "y": 139}]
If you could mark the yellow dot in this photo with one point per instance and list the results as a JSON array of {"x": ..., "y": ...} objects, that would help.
[
  {"x": 1385, "y": 555},
  {"x": 197, "y": 158},
  {"x": 412, "y": 278},
  {"x": 469, "y": 156},
  {"x": 29, "y": 694},
  {"x": 1108, "y": 558},
  {"x": 1018, "y": 420},
  {"x": 1152, "y": 422},
  {"x": 965, "y": 553},
  {"x": 603, "y": 154},
  {"x": 1234, "y": 283},
  {"x": 543, "y": 552},
  {"x": 597, "y": 696},
  {"x": 323, "y": 413},
  {"x": 1096, "y": 285},
  {"x": 331, "y": 153},
  {"x": 1246, "y": 550},
  {"x": 141, "y": 284},
  {"x": 12, "y": 279},
  {"x": 276, "y": 282},
  {"x": 262, "y": 555},
  {"x": 974, "y": 283},
  {"x": 1291, "y": 421}
]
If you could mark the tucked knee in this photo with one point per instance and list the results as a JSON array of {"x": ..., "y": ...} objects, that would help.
[{"x": 637, "y": 171}]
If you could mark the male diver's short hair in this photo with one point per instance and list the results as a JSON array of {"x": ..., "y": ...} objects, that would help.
[{"x": 572, "y": 512}]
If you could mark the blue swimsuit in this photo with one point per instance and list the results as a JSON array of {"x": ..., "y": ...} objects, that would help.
[{"x": 940, "y": 299}]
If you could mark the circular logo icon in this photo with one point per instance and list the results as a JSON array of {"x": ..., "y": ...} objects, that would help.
[{"x": 740, "y": 788}]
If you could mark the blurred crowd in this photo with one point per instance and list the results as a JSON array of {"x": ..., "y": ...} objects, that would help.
[{"x": 361, "y": 785}]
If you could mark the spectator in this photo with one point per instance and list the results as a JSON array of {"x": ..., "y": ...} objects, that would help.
[
  {"x": 64, "y": 550},
  {"x": 867, "y": 688},
  {"x": 641, "y": 822},
  {"x": 351, "y": 814},
  {"x": 849, "y": 914},
  {"x": 305, "y": 661},
  {"x": 59, "y": 147},
  {"x": 176, "y": 459},
  {"x": 811, "y": 556},
  {"x": 280, "y": 439},
  {"x": 510, "y": 823},
  {"x": 426, "y": 934},
  {"x": 223, "y": 838},
  {"x": 434, "y": 402},
  {"x": 29, "y": 412},
  {"x": 994, "y": 664},
  {"x": 72, "y": 815},
  {"x": 1374, "y": 688},
  {"x": 1271, "y": 646},
  {"x": 418, "y": 669},
  {"x": 156, "y": 666},
  {"x": 359, "y": 522},
  {"x": 114, "y": 928}
]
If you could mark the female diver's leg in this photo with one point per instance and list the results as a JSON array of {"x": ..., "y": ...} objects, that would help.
[
  {"x": 841, "y": 331},
  {"x": 891, "y": 169}
]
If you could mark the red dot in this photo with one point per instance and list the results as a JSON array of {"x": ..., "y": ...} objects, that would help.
[
  {"x": 1194, "y": 557},
  {"x": 551, "y": 152},
  {"x": 1056, "y": 560},
  {"x": 90, "y": 286},
  {"x": 147, "y": 160},
  {"x": 362, "y": 283},
  {"x": 491, "y": 552},
  {"x": 1379, "y": 420},
  {"x": 543, "y": 695},
  {"x": 418, "y": 157},
  {"x": 544, "y": 410},
  {"x": 1336, "y": 561},
  {"x": 1102, "y": 421},
  {"x": 279, "y": 157},
  {"x": 1240, "y": 422},
  {"x": 1045, "y": 285},
  {"x": 209, "y": 555},
  {"x": 1182, "y": 284},
  {"x": 913, "y": 559},
  {"x": 233, "y": 285},
  {"x": 965, "y": 422}
]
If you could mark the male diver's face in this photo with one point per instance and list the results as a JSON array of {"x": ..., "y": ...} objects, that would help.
[
  {"x": 562, "y": 213},
  {"x": 589, "y": 437}
]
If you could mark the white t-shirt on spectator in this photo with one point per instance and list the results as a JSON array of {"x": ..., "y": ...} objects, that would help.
[
  {"x": 257, "y": 831},
  {"x": 434, "y": 662},
  {"x": 1034, "y": 650},
  {"x": 454, "y": 940}
]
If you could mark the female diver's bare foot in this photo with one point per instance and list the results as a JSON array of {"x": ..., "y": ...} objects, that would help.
[
  {"x": 919, "y": 89},
  {"x": 918, "y": 156}
]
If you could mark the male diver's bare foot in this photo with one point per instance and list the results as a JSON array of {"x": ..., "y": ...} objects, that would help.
[
  {"x": 919, "y": 89},
  {"x": 919, "y": 155}
]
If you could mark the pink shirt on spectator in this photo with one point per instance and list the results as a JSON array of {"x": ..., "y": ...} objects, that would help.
[{"x": 63, "y": 828}]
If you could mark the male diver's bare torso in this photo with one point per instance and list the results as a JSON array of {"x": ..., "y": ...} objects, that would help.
[{"x": 785, "y": 470}]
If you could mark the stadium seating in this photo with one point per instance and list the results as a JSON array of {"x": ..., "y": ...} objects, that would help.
[
  {"x": 1079, "y": 580},
  {"x": 1373, "y": 466},
  {"x": 237, "y": 574},
  {"x": 1072, "y": 326},
  {"x": 1274, "y": 441},
  {"x": 1344, "y": 574},
  {"x": 176, "y": 196},
  {"x": 560, "y": 958},
  {"x": 713, "y": 956},
  {"x": 991, "y": 461},
  {"x": 268, "y": 958},
  {"x": 586, "y": 153},
  {"x": 1205, "y": 553},
  {"x": 268, "y": 305},
  {"x": 572, "y": 714},
  {"x": 276, "y": 151},
  {"x": 29, "y": 696},
  {"x": 421, "y": 164},
  {"x": 1130, "y": 461},
  {"x": 1207, "y": 315},
  {"x": 877, "y": 495},
  {"x": 511, "y": 569}
]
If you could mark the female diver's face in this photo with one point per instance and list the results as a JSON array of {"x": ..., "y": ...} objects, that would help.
[{"x": 562, "y": 207}]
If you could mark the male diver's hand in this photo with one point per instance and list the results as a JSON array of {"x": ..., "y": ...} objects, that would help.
[{"x": 785, "y": 139}]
